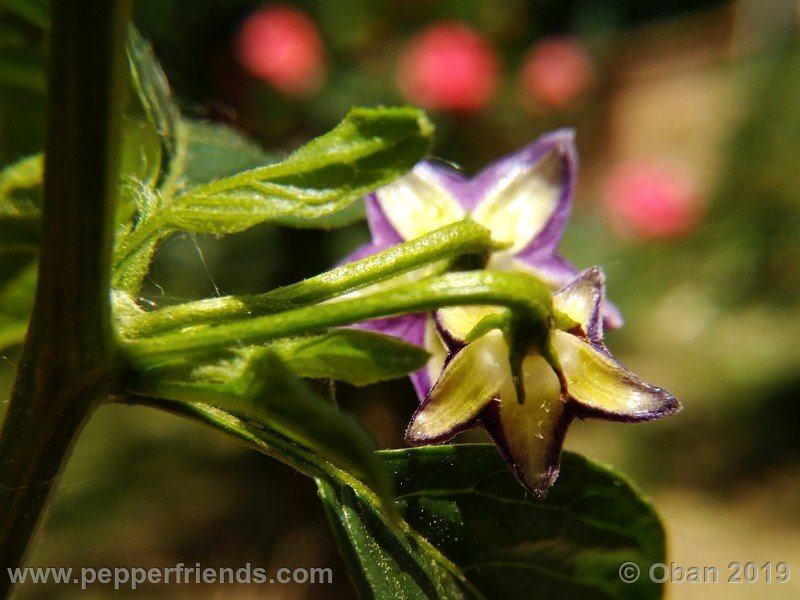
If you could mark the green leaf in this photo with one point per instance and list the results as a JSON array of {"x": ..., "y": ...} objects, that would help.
[
  {"x": 140, "y": 163},
  {"x": 152, "y": 151},
  {"x": 386, "y": 561},
  {"x": 350, "y": 355},
  {"x": 369, "y": 148},
  {"x": 317, "y": 186},
  {"x": 214, "y": 151},
  {"x": 466, "y": 502},
  {"x": 354, "y": 506},
  {"x": 151, "y": 88},
  {"x": 254, "y": 384}
]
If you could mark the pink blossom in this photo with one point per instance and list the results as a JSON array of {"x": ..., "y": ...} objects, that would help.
[
  {"x": 651, "y": 200},
  {"x": 282, "y": 46},
  {"x": 556, "y": 73},
  {"x": 448, "y": 67}
]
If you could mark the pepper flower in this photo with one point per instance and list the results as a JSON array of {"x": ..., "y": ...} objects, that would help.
[
  {"x": 572, "y": 374},
  {"x": 524, "y": 199}
]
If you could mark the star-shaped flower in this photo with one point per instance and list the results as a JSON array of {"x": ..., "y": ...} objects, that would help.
[
  {"x": 524, "y": 199},
  {"x": 582, "y": 380}
]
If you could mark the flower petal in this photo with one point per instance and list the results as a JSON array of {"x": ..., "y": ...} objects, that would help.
[
  {"x": 429, "y": 339},
  {"x": 468, "y": 383},
  {"x": 552, "y": 270},
  {"x": 601, "y": 387},
  {"x": 530, "y": 435},
  {"x": 456, "y": 322},
  {"x": 383, "y": 232},
  {"x": 405, "y": 327},
  {"x": 558, "y": 273},
  {"x": 414, "y": 205},
  {"x": 526, "y": 196},
  {"x": 582, "y": 299}
]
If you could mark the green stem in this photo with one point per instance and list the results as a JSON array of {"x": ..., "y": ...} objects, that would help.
[
  {"x": 67, "y": 366},
  {"x": 528, "y": 297},
  {"x": 458, "y": 239}
]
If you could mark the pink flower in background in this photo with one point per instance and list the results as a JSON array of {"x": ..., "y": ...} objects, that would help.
[
  {"x": 282, "y": 46},
  {"x": 448, "y": 67},
  {"x": 556, "y": 73},
  {"x": 651, "y": 200}
]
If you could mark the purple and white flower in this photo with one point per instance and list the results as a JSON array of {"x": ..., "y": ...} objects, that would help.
[
  {"x": 476, "y": 386},
  {"x": 524, "y": 199}
]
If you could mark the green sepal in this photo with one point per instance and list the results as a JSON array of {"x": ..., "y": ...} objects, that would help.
[{"x": 501, "y": 321}]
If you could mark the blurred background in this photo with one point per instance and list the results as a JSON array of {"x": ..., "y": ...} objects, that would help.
[{"x": 688, "y": 126}]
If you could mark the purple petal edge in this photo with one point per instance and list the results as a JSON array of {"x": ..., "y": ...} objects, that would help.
[
  {"x": 669, "y": 403},
  {"x": 457, "y": 184},
  {"x": 450, "y": 433},
  {"x": 597, "y": 279},
  {"x": 550, "y": 235},
  {"x": 415, "y": 334},
  {"x": 490, "y": 420},
  {"x": 559, "y": 273},
  {"x": 403, "y": 327},
  {"x": 383, "y": 232}
]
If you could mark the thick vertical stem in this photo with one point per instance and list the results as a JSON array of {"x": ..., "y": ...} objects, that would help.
[{"x": 67, "y": 363}]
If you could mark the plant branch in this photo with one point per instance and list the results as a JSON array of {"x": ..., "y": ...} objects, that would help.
[
  {"x": 526, "y": 296},
  {"x": 67, "y": 366},
  {"x": 452, "y": 241}
]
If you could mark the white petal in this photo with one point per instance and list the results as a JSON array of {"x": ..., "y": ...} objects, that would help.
[
  {"x": 417, "y": 203},
  {"x": 468, "y": 383},
  {"x": 580, "y": 300},
  {"x": 601, "y": 385},
  {"x": 458, "y": 321},
  {"x": 533, "y": 431},
  {"x": 437, "y": 350},
  {"x": 520, "y": 204}
]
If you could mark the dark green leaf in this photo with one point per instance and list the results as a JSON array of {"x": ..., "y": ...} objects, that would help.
[
  {"x": 386, "y": 561},
  {"x": 466, "y": 502},
  {"x": 351, "y": 355},
  {"x": 254, "y": 384}
]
